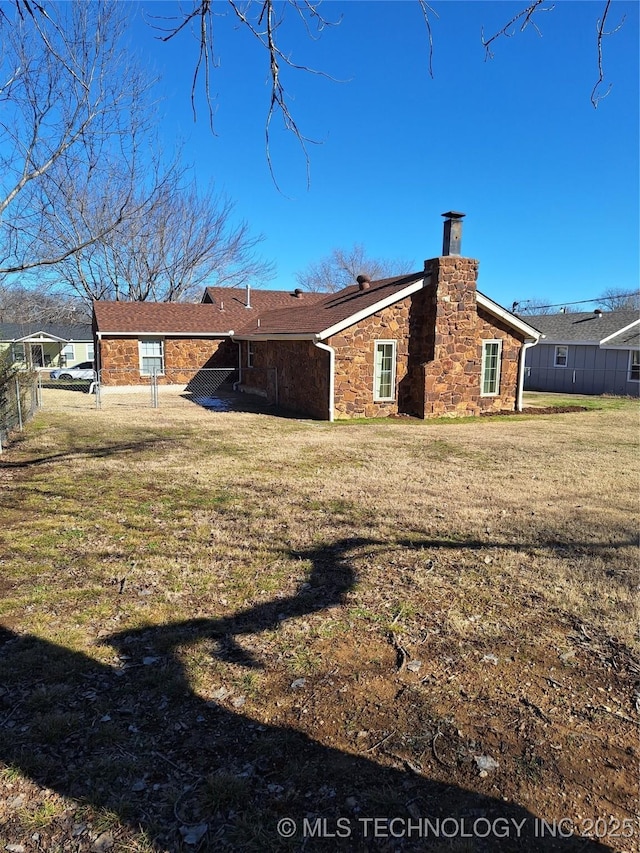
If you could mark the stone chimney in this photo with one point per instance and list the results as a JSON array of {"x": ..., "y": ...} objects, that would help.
[{"x": 452, "y": 237}]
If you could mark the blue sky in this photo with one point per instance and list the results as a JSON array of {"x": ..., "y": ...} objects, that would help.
[{"x": 549, "y": 184}]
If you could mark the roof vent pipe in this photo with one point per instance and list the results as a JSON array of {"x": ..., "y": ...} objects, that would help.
[
  {"x": 598, "y": 313},
  {"x": 364, "y": 282},
  {"x": 452, "y": 237},
  {"x": 297, "y": 293},
  {"x": 248, "y": 305}
]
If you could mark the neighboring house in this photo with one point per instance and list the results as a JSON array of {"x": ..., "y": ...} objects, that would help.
[
  {"x": 425, "y": 344},
  {"x": 587, "y": 353},
  {"x": 47, "y": 346}
]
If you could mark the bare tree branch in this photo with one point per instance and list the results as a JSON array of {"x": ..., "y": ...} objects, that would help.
[
  {"x": 601, "y": 33},
  {"x": 526, "y": 15},
  {"x": 68, "y": 110},
  {"x": 424, "y": 6}
]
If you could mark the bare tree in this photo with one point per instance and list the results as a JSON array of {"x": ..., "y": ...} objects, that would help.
[
  {"x": 68, "y": 93},
  {"x": 30, "y": 305},
  {"x": 342, "y": 267},
  {"x": 614, "y": 300},
  {"x": 179, "y": 240}
]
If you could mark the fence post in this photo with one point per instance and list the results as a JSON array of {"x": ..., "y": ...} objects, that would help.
[
  {"x": 154, "y": 390},
  {"x": 38, "y": 384},
  {"x": 18, "y": 404}
]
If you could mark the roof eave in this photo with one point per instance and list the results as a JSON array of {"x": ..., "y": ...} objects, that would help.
[
  {"x": 119, "y": 334},
  {"x": 509, "y": 318},
  {"x": 620, "y": 331},
  {"x": 372, "y": 309},
  {"x": 275, "y": 336}
]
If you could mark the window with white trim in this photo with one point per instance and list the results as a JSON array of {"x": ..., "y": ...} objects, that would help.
[
  {"x": 19, "y": 353},
  {"x": 561, "y": 356},
  {"x": 90, "y": 352},
  {"x": 384, "y": 370},
  {"x": 634, "y": 365},
  {"x": 67, "y": 355},
  {"x": 491, "y": 355},
  {"x": 151, "y": 354},
  {"x": 250, "y": 353}
]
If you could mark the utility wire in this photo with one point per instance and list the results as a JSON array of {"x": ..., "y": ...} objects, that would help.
[{"x": 578, "y": 302}]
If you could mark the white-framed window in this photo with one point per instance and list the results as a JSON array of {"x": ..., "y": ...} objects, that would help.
[
  {"x": 90, "y": 352},
  {"x": 491, "y": 356},
  {"x": 561, "y": 356},
  {"x": 19, "y": 355},
  {"x": 384, "y": 370},
  {"x": 67, "y": 355},
  {"x": 634, "y": 365},
  {"x": 151, "y": 357},
  {"x": 250, "y": 353}
]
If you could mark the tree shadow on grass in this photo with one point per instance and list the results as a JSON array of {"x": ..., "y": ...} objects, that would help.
[
  {"x": 117, "y": 448},
  {"x": 136, "y": 740}
]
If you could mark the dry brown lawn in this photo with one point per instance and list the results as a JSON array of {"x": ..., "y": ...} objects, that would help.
[{"x": 214, "y": 621}]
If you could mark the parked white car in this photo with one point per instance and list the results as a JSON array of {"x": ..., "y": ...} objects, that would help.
[{"x": 84, "y": 370}]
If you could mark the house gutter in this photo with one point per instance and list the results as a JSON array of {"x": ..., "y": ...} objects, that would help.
[
  {"x": 239, "y": 380},
  {"x": 332, "y": 364},
  {"x": 525, "y": 346}
]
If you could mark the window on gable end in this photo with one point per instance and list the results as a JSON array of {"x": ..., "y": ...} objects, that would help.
[{"x": 491, "y": 356}]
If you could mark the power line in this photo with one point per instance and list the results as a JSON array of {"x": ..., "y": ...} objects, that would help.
[{"x": 577, "y": 302}]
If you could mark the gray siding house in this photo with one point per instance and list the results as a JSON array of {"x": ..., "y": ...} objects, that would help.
[{"x": 585, "y": 353}]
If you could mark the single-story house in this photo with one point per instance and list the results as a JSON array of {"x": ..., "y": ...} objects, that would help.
[
  {"x": 595, "y": 352},
  {"x": 176, "y": 339},
  {"x": 47, "y": 346},
  {"x": 424, "y": 344}
]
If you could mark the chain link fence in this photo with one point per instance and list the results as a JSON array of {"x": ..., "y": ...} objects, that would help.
[
  {"x": 19, "y": 399},
  {"x": 212, "y": 388}
]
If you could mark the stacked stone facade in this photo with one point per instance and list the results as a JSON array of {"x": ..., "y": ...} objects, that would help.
[
  {"x": 119, "y": 359},
  {"x": 439, "y": 333},
  {"x": 292, "y": 374},
  {"x": 452, "y": 375}
]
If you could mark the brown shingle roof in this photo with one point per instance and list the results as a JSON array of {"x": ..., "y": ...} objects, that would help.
[
  {"x": 160, "y": 318},
  {"x": 330, "y": 310},
  {"x": 234, "y": 300},
  {"x": 222, "y": 309}
]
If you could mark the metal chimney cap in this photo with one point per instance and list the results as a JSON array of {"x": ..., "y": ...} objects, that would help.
[{"x": 453, "y": 214}]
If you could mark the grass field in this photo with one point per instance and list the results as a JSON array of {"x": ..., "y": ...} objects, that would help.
[{"x": 214, "y": 622}]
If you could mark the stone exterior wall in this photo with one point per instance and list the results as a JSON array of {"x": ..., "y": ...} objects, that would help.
[
  {"x": 291, "y": 374},
  {"x": 183, "y": 358},
  {"x": 354, "y": 361},
  {"x": 452, "y": 376},
  {"x": 439, "y": 333}
]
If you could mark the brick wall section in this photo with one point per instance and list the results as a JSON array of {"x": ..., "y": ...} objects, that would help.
[
  {"x": 302, "y": 383},
  {"x": 183, "y": 357}
]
